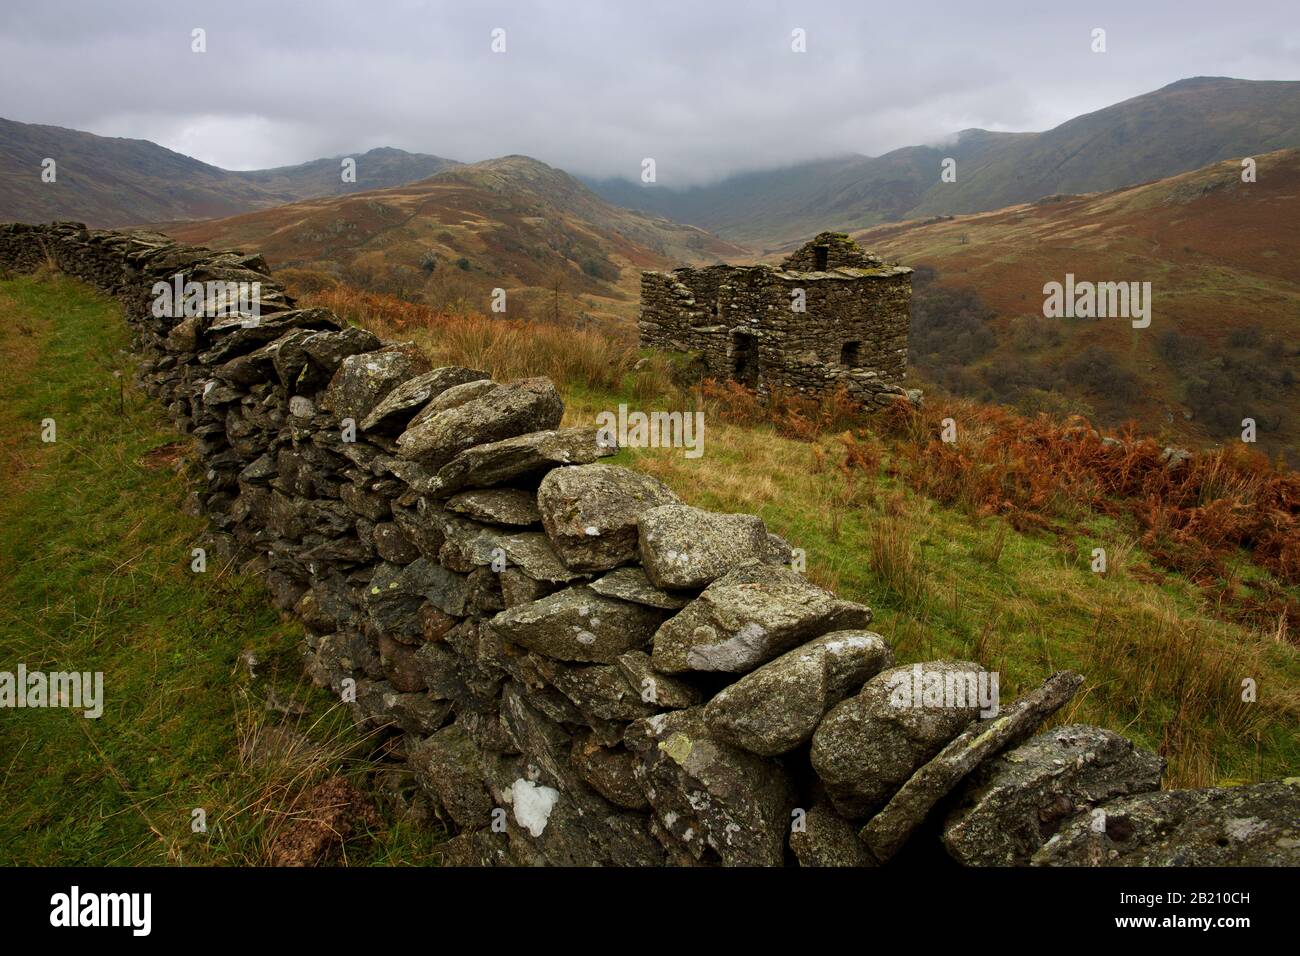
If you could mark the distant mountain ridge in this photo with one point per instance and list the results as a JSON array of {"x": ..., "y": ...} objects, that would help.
[
  {"x": 1183, "y": 126},
  {"x": 512, "y": 223},
  {"x": 378, "y": 168},
  {"x": 111, "y": 181}
]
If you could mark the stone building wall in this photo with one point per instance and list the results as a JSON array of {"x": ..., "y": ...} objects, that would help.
[
  {"x": 576, "y": 667},
  {"x": 741, "y": 321}
]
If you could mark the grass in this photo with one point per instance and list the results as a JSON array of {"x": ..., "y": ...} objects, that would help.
[
  {"x": 95, "y": 576},
  {"x": 984, "y": 551},
  {"x": 505, "y": 349}
]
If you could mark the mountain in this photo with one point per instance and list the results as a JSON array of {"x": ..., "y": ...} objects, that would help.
[
  {"x": 513, "y": 223},
  {"x": 1178, "y": 128},
  {"x": 376, "y": 169},
  {"x": 1223, "y": 260},
  {"x": 108, "y": 181}
]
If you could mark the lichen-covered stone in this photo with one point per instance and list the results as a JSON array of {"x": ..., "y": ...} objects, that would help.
[
  {"x": 577, "y": 624},
  {"x": 237, "y": 335},
  {"x": 399, "y": 405},
  {"x": 400, "y": 665},
  {"x": 578, "y": 827},
  {"x": 517, "y": 587},
  {"x": 610, "y": 771},
  {"x": 747, "y": 617},
  {"x": 305, "y": 360},
  {"x": 326, "y": 606},
  {"x": 1013, "y": 803},
  {"x": 504, "y": 506},
  {"x": 777, "y": 707},
  {"x": 867, "y": 746},
  {"x": 363, "y": 380},
  {"x": 590, "y": 512},
  {"x": 440, "y": 670},
  {"x": 599, "y": 691},
  {"x": 885, "y": 833},
  {"x": 720, "y": 802},
  {"x": 632, "y": 584},
  {"x": 1254, "y": 825},
  {"x": 505, "y": 411},
  {"x": 685, "y": 547},
  {"x": 327, "y": 350},
  {"x": 395, "y": 594},
  {"x": 392, "y": 545},
  {"x": 380, "y": 706},
  {"x": 663, "y": 690},
  {"x": 503, "y": 462},
  {"x": 824, "y": 838},
  {"x": 533, "y": 553},
  {"x": 448, "y": 766},
  {"x": 455, "y": 397}
]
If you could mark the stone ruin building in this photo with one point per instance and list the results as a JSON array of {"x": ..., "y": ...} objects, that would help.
[{"x": 745, "y": 322}]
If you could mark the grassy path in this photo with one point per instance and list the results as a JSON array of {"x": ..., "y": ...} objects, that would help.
[{"x": 95, "y": 576}]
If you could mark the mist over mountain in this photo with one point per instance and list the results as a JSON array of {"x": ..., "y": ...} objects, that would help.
[{"x": 1180, "y": 127}]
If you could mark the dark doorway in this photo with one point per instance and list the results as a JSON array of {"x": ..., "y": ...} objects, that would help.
[
  {"x": 744, "y": 358},
  {"x": 851, "y": 354},
  {"x": 821, "y": 252}
]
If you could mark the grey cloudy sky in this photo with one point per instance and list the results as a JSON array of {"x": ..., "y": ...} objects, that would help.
[{"x": 705, "y": 87}]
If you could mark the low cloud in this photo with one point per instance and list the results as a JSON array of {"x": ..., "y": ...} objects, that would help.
[{"x": 707, "y": 89}]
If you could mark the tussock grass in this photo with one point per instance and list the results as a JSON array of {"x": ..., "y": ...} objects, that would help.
[
  {"x": 894, "y": 557},
  {"x": 506, "y": 349}
]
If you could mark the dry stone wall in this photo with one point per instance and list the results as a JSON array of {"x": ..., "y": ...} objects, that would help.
[{"x": 576, "y": 666}]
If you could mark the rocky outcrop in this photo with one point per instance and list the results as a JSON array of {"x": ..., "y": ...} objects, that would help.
[{"x": 573, "y": 666}]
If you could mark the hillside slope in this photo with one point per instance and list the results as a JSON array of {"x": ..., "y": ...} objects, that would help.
[
  {"x": 109, "y": 181},
  {"x": 512, "y": 223},
  {"x": 1223, "y": 258},
  {"x": 377, "y": 169},
  {"x": 1177, "y": 128}
]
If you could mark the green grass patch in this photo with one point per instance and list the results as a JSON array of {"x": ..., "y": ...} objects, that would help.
[{"x": 95, "y": 552}]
